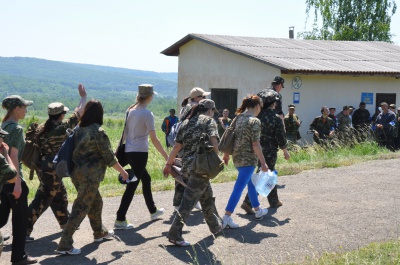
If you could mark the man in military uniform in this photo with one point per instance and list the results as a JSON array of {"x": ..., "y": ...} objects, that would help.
[
  {"x": 332, "y": 115},
  {"x": 344, "y": 132},
  {"x": 51, "y": 191},
  {"x": 292, "y": 124},
  {"x": 273, "y": 137},
  {"x": 385, "y": 123},
  {"x": 361, "y": 121},
  {"x": 276, "y": 86},
  {"x": 323, "y": 127},
  {"x": 7, "y": 170}
]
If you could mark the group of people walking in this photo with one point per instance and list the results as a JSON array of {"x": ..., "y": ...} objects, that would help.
[{"x": 260, "y": 133}]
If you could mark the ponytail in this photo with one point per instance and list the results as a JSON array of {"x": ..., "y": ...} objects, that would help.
[
  {"x": 248, "y": 102},
  {"x": 196, "y": 110},
  {"x": 185, "y": 102},
  {"x": 8, "y": 115}
]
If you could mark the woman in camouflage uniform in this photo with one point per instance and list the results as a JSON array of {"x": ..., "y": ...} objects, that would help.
[
  {"x": 14, "y": 196},
  {"x": 92, "y": 155},
  {"x": 246, "y": 152},
  {"x": 51, "y": 191},
  {"x": 198, "y": 188}
]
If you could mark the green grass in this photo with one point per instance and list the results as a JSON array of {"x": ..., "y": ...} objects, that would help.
[{"x": 377, "y": 253}]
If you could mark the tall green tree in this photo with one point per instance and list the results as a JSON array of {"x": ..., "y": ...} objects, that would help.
[{"x": 353, "y": 20}]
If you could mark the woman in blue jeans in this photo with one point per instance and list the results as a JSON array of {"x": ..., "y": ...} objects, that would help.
[{"x": 247, "y": 150}]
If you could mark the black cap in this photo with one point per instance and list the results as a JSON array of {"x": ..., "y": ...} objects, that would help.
[{"x": 278, "y": 80}]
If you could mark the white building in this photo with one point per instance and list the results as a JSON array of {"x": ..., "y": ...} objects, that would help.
[{"x": 317, "y": 73}]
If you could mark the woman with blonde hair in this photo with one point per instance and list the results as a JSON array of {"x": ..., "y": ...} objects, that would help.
[
  {"x": 14, "y": 196},
  {"x": 139, "y": 126},
  {"x": 247, "y": 151}
]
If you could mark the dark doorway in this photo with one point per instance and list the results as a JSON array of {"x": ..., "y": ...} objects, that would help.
[
  {"x": 225, "y": 98},
  {"x": 389, "y": 98}
]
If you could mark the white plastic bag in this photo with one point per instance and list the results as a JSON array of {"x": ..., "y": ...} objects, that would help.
[{"x": 264, "y": 181}]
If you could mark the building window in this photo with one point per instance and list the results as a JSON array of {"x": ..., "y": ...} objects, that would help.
[{"x": 225, "y": 98}]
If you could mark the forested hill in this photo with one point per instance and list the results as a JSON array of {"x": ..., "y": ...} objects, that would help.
[{"x": 45, "y": 81}]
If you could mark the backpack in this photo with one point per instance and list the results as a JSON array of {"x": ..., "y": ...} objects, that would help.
[
  {"x": 63, "y": 164},
  {"x": 172, "y": 134},
  {"x": 32, "y": 151}
]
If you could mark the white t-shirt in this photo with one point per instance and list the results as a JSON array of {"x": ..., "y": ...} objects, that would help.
[{"x": 139, "y": 123}]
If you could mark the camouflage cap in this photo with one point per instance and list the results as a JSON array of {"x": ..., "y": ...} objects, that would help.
[
  {"x": 3, "y": 132},
  {"x": 268, "y": 96},
  {"x": 291, "y": 106},
  {"x": 208, "y": 104},
  {"x": 346, "y": 107},
  {"x": 146, "y": 90},
  {"x": 14, "y": 101},
  {"x": 393, "y": 106},
  {"x": 56, "y": 108}
]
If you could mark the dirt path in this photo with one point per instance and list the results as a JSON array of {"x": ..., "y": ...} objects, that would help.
[{"x": 330, "y": 209}]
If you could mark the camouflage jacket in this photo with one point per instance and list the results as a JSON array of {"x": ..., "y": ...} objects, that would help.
[
  {"x": 226, "y": 123},
  {"x": 292, "y": 128},
  {"x": 322, "y": 126},
  {"x": 273, "y": 134},
  {"x": 92, "y": 154},
  {"x": 247, "y": 131},
  {"x": 344, "y": 122},
  {"x": 52, "y": 140},
  {"x": 189, "y": 136}
]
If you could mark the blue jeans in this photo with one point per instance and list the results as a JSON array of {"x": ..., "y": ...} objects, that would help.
[{"x": 243, "y": 179}]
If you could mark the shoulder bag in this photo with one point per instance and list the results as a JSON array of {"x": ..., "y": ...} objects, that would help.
[
  {"x": 120, "y": 153},
  {"x": 227, "y": 141}
]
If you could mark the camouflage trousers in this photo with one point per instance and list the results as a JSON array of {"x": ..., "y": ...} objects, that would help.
[
  {"x": 178, "y": 195},
  {"x": 270, "y": 159},
  {"x": 198, "y": 189},
  {"x": 88, "y": 202},
  {"x": 51, "y": 192}
]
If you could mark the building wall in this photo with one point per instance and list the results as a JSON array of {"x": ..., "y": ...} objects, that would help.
[{"x": 206, "y": 66}]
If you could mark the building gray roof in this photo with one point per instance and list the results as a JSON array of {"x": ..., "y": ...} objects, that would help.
[{"x": 307, "y": 56}]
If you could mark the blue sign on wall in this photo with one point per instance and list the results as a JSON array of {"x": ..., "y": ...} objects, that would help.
[
  {"x": 368, "y": 98},
  {"x": 296, "y": 97}
]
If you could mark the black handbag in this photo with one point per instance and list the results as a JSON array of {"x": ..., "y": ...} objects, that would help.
[{"x": 120, "y": 153}]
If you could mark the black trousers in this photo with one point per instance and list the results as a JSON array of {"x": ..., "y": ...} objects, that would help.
[
  {"x": 19, "y": 218},
  {"x": 138, "y": 162}
]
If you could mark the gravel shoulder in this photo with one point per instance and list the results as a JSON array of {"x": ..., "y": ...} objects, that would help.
[{"x": 337, "y": 209}]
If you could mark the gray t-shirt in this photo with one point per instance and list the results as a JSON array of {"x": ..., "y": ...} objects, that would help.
[{"x": 138, "y": 125}]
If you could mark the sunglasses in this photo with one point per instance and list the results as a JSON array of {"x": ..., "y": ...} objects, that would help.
[{"x": 203, "y": 97}]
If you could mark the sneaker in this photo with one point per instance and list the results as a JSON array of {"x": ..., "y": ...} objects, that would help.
[
  {"x": 26, "y": 260},
  {"x": 247, "y": 208},
  {"x": 182, "y": 243},
  {"x": 227, "y": 221},
  {"x": 29, "y": 239},
  {"x": 198, "y": 206},
  {"x": 72, "y": 251},
  {"x": 158, "y": 212},
  {"x": 260, "y": 213},
  {"x": 123, "y": 225},
  {"x": 107, "y": 235}
]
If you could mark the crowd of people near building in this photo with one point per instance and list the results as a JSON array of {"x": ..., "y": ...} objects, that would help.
[{"x": 261, "y": 130}]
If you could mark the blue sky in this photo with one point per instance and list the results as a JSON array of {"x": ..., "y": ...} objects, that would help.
[{"x": 131, "y": 34}]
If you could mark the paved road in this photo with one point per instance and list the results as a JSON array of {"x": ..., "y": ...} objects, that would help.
[{"x": 324, "y": 210}]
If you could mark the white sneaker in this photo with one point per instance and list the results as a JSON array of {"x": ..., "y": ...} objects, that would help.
[
  {"x": 73, "y": 251},
  {"x": 198, "y": 206},
  {"x": 158, "y": 212},
  {"x": 107, "y": 235},
  {"x": 122, "y": 225},
  {"x": 227, "y": 221},
  {"x": 260, "y": 213}
]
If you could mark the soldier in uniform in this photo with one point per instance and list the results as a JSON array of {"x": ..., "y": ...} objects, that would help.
[
  {"x": 198, "y": 188},
  {"x": 51, "y": 191},
  {"x": 273, "y": 138},
  {"x": 385, "y": 123},
  {"x": 292, "y": 125},
  {"x": 323, "y": 127},
  {"x": 91, "y": 157},
  {"x": 332, "y": 115},
  {"x": 361, "y": 121},
  {"x": 276, "y": 85},
  {"x": 7, "y": 170},
  {"x": 344, "y": 132}
]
